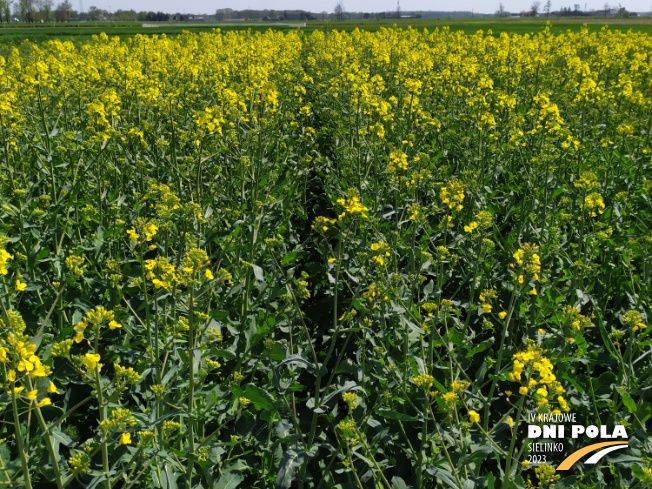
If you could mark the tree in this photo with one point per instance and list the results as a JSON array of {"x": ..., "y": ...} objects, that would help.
[
  {"x": 46, "y": 10},
  {"x": 546, "y": 8},
  {"x": 501, "y": 10},
  {"x": 5, "y": 10},
  {"x": 339, "y": 11},
  {"x": 62, "y": 12},
  {"x": 535, "y": 8},
  {"x": 24, "y": 9},
  {"x": 93, "y": 13},
  {"x": 125, "y": 15}
]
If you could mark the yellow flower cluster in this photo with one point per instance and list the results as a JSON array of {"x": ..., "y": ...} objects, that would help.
[
  {"x": 149, "y": 228},
  {"x": 473, "y": 225},
  {"x": 323, "y": 223},
  {"x": 452, "y": 195},
  {"x": 532, "y": 357},
  {"x": 398, "y": 160},
  {"x": 574, "y": 322},
  {"x": 381, "y": 251},
  {"x": 350, "y": 398},
  {"x": 21, "y": 360},
  {"x": 133, "y": 235},
  {"x": 195, "y": 261},
  {"x": 375, "y": 291},
  {"x": 450, "y": 397},
  {"x": 533, "y": 361},
  {"x": 96, "y": 318},
  {"x": 19, "y": 354},
  {"x": 594, "y": 202},
  {"x": 119, "y": 420},
  {"x": 348, "y": 429},
  {"x": 588, "y": 181},
  {"x": 161, "y": 272},
  {"x": 4, "y": 259},
  {"x": 211, "y": 119},
  {"x": 353, "y": 206},
  {"x": 76, "y": 265},
  {"x": 486, "y": 296},
  {"x": 16, "y": 351},
  {"x": 125, "y": 375},
  {"x": 423, "y": 381},
  {"x": 414, "y": 211},
  {"x": 528, "y": 263},
  {"x": 482, "y": 220},
  {"x": 457, "y": 387},
  {"x": 634, "y": 320}
]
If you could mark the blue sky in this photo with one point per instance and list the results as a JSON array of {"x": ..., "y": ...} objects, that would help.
[{"x": 209, "y": 6}]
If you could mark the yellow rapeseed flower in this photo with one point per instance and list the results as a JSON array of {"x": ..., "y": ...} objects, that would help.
[
  {"x": 91, "y": 360},
  {"x": 133, "y": 235},
  {"x": 52, "y": 389},
  {"x": 44, "y": 402},
  {"x": 474, "y": 417}
]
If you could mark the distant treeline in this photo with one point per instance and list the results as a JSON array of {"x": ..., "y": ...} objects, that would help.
[{"x": 45, "y": 11}]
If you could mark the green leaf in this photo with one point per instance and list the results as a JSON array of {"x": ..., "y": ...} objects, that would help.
[
  {"x": 581, "y": 344},
  {"x": 444, "y": 476},
  {"x": 644, "y": 412},
  {"x": 468, "y": 484},
  {"x": 398, "y": 483},
  {"x": 479, "y": 453},
  {"x": 60, "y": 437},
  {"x": 278, "y": 351},
  {"x": 638, "y": 471},
  {"x": 230, "y": 479},
  {"x": 603, "y": 386},
  {"x": 258, "y": 273},
  {"x": 297, "y": 360},
  {"x": 289, "y": 258},
  {"x": 335, "y": 395},
  {"x": 629, "y": 402},
  {"x": 390, "y": 414},
  {"x": 168, "y": 478},
  {"x": 491, "y": 481},
  {"x": 414, "y": 327},
  {"x": 480, "y": 348},
  {"x": 427, "y": 292},
  {"x": 287, "y": 471},
  {"x": 260, "y": 398}
]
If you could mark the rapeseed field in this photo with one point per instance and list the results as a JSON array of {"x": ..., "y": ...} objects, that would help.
[{"x": 328, "y": 260}]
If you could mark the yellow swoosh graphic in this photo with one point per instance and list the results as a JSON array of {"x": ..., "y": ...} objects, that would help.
[{"x": 575, "y": 456}]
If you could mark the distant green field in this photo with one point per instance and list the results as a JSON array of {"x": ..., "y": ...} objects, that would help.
[{"x": 13, "y": 33}]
